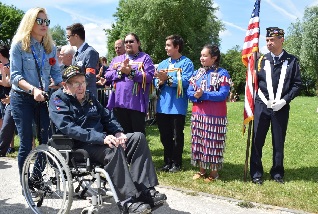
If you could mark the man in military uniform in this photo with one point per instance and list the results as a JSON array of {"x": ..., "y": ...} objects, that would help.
[
  {"x": 279, "y": 82},
  {"x": 86, "y": 56},
  {"x": 126, "y": 157}
]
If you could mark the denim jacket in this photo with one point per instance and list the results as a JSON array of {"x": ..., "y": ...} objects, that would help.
[{"x": 22, "y": 66}]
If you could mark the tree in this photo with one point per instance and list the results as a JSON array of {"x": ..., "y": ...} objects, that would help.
[
  {"x": 154, "y": 20},
  {"x": 58, "y": 35},
  {"x": 232, "y": 61},
  {"x": 302, "y": 41},
  {"x": 10, "y": 18},
  {"x": 309, "y": 50}
]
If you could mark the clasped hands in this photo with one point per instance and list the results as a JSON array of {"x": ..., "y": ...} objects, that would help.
[
  {"x": 161, "y": 75},
  {"x": 125, "y": 67},
  {"x": 276, "y": 106},
  {"x": 119, "y": 139}
]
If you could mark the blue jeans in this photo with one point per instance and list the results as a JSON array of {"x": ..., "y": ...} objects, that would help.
[
  {"x": 25, "y": 110},
  {"x": 7, "y": 131}
]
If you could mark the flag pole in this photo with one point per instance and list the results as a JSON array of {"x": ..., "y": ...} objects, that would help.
[
  {"x": 248, "y": 144},
  {"x": 249, "y": 55},
  {"x": 250, "y": 124}
]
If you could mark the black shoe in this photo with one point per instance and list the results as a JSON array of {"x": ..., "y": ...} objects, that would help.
[
  {"x": 279, "y": 179},
  {"x": 36, "y": 183},
  {"x": 257, "y": 181},
  {"x": 175, "y": 168},
  {"x": 136, "y": 208},
  {"x": 152, "y": 197},
  {"x": 166, "y": 168},
  {"x": 11, "y": 150}
]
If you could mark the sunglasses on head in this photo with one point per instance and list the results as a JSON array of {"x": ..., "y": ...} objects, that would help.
[
  {"x": 129, "y": 41},
  {"x": 69, "y": 36},
  {"x": 40, "y": 21}
]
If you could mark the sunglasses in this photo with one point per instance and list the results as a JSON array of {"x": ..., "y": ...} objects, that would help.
[
  {"x": 129, "y": 41},
  {"x": 40, "y": 21},
  {"x": 69, "y": 36}
]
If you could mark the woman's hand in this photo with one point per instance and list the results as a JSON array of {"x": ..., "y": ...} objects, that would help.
[
  {"x": 38, "y": 95},
  {"x": 198, "y": 93},
  {"x": 6, "y": 100}
]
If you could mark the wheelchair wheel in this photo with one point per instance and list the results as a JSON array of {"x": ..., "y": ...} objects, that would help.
[{"x": 46, "y": 181}]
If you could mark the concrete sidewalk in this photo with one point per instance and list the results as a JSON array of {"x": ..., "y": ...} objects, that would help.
[{"x": 179, "y": 201}]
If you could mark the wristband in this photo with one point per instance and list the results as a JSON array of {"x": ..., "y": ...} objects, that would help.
[
  {"x": 131, "y": 74},
  {"x": 170, "y": 80},
  {"x": 119, "y": 74},
  {"x": 30, "y": 91}
]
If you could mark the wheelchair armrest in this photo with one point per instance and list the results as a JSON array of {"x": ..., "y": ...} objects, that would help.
[
  {"x": 61, "y": 142},
  {"x": 84, "y": 153}
]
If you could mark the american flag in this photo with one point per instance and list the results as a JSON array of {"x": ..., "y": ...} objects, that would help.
[{"x": 250, "y": 48}]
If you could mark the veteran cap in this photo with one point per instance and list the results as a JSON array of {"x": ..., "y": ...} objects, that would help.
[
  {"x": 71, "y": 71},
  {"x": 274, "y": 31}
]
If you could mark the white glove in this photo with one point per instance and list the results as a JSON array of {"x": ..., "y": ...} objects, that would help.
[{"x": 278, "y": 105}]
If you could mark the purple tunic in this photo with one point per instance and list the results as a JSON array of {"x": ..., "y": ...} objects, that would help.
[{"x": 131, "y": 93}]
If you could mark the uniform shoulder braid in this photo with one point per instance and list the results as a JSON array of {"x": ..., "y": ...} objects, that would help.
[{"x": 260, "y": 62}]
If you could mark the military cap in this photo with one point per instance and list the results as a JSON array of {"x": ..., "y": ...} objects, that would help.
[
  {"x": 72, "y": 71},
  {"x": 274, "y": 31}
]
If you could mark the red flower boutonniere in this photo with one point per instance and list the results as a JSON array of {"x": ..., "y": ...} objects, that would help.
[{"x": 52, "y": 61}]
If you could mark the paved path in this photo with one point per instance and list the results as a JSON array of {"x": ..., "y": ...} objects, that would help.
[{"x": 179, "y": 201}]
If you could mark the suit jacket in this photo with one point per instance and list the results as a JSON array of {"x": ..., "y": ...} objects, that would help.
[
  {"x": 88, "y": 58},
  {"x": 292, "y": 80}
]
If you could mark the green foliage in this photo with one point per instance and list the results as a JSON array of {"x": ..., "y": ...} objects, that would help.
[
  {"x": 154, "y": 20},
  {"x": 300, "y": 161},
  {"x": 232, "y": 62},
  {"x": 302, "y": 41},
  {"x": 10, "y": 18},
  {"x": 59, "y": 35}
]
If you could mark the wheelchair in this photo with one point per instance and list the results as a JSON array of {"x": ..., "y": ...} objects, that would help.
[{"x": 51, "y": 170}]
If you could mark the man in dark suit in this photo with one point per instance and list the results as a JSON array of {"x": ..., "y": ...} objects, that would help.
[
  {"x": 279, "y": 82},
  {"x": 86, "y": 56}
]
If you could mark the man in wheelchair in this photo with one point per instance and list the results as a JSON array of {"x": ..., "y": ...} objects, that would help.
[{"x": 77, "y": 114}]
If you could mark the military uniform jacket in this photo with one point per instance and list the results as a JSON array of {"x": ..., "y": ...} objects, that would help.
[
  {"x": 87, "y": 58},
  {"x": 279, "y": 81},
  {"x": 87, "y": 122}
]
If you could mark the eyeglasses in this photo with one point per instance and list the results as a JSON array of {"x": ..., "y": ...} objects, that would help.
[
  {"x": 78, "y": 84},
  {"x": 69, "y": 36},
  {"x": 129, "y": 41},
  {"x": 40, "y": 21}
]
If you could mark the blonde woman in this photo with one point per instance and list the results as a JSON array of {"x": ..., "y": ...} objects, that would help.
[{"x": 32, "y": 62}]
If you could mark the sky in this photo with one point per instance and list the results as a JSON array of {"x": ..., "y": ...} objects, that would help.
[{"x": 235, "y": 14}]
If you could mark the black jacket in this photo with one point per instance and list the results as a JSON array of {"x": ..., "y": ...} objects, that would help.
[
  {"x": 292, "y": 81},
  {"x": 88, "y": 122}
]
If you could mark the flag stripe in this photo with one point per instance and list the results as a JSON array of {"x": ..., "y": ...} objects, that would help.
[{"x": 251, "y": 47}]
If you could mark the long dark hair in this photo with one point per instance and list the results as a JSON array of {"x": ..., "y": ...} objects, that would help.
[{"x": 214, "y": 51}]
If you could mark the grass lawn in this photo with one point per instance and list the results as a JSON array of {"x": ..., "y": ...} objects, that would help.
[{"x": 301, "y": 162}]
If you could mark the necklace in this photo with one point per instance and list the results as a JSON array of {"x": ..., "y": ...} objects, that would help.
[{"x": 171, "y": 65}]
